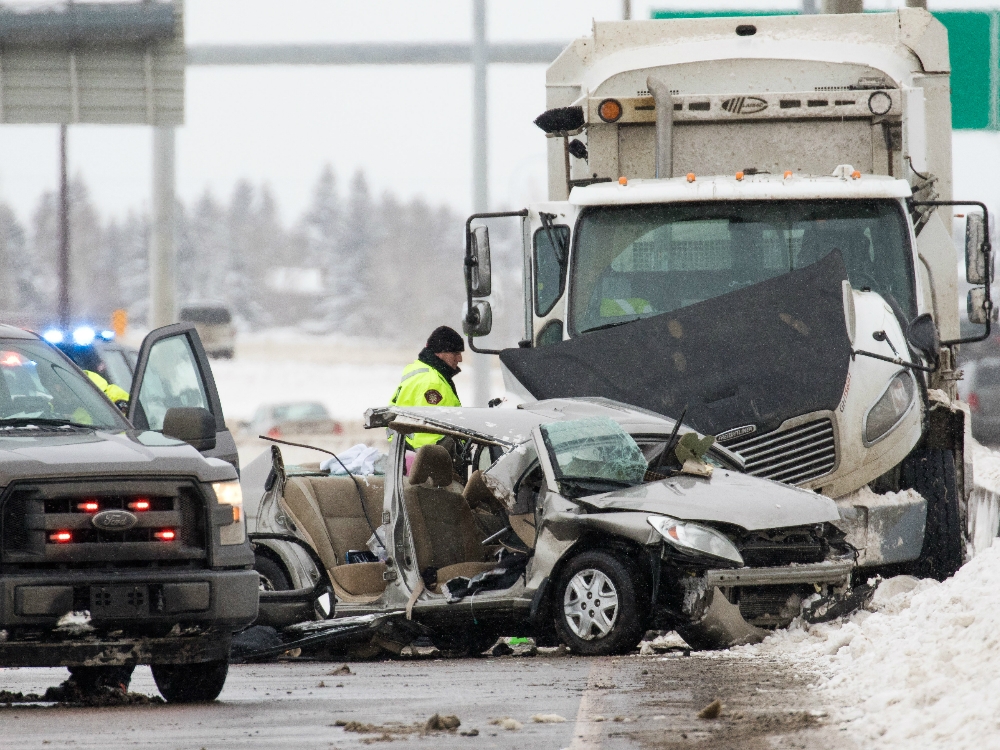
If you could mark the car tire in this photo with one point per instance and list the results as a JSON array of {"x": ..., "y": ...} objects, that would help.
[
  {"x": 190, "y": 683},
  {"x": 931, "y": 472},
  {"x": 588, "y": 624},
  {"x": 272, "y": 574}
]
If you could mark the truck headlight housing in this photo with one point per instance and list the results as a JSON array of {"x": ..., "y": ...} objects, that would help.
[
  {"x": 695, "y": 539},
  {"x": 230, "y": 494},
  {"x": 887, "y": 412}
]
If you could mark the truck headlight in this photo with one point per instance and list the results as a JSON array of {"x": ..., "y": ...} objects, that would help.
[
  {"x": 230, "y": 493},
  {"x": 890, "y": 407},
  {"x": 695, "y": 539}
]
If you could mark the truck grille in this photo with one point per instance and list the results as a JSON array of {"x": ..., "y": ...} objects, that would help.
[
  {"x": 99, "y": 524},
  {"x": 794, "y": 456}
]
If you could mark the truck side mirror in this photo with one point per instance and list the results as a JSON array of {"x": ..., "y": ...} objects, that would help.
[
  {"x": 978, "y": 308},
  {"x": 479, "y": 320},
  {"x": 922, "y": 334},
  {"x": 192, "y": 424},
  {"x": 479, "y": 277},
  {"x": 978, "y": 263}
]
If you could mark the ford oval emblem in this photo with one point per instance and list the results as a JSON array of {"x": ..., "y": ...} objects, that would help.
[{"x": 114, "y": 520}]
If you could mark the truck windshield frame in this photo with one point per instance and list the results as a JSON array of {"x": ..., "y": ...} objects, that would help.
[{"x": 640, "y": 260}]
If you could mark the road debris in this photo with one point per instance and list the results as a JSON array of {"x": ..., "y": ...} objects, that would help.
[
  {"x": 439, "y": 723},
  {"x": 548, "y": 719},
  {"x": 711, "y": 711},
  {"x": 507, "y": 723},
  {"x": 341, "y": 670},
  {"x": 470, "y": 733}
]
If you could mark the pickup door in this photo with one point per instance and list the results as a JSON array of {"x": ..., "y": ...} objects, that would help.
[{"x": 173, "y": 370}]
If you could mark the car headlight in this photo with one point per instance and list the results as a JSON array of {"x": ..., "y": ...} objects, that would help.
[
  {"x": 695, "y": 539},
  {"x": 890, "y": 407},
  {"x": 230, "y": 493}
]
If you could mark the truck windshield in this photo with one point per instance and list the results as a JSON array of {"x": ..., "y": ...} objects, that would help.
[
  {"x": 38, "y": 386},
  {"x": 637, "y": 261}
]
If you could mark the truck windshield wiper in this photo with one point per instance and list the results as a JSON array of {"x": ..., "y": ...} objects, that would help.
[
  {"x": 612, "y": 325},
  {"x": 43, "y": 421}
]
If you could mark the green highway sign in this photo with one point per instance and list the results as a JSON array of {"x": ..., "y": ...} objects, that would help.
[{"x": 974, "y": 48}]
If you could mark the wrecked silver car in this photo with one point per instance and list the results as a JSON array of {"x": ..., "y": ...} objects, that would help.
[{"x": 579, "y": 520}]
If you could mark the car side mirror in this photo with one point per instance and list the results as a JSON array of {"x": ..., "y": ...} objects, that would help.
[
  {"x": 479, "y": 320},
  {"x": 192, "y": 424},
  {"x": 480, "y": 275},
  {"x": 978, "y": 258},
  {"x": 922, "y": 333}
]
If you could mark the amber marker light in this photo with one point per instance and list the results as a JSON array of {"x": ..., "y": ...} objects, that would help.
[
  {"x": 690, "y": 177},
  {"x": 139, "y": 505},
  {"x": 623, "y": 180},
  {"x": 856, "y": 175},
  {"x": 90, "y": 506},
  {"x": 739, "y": 176},
  {"x": 788, "y": 173},
  {"x": 61, "y": 537},
  {"x": 610, "y": 110},
  {"x": 165, "y": 535}
]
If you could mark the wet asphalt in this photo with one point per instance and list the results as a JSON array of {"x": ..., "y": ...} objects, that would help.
[{"x": 614, "y": 702}]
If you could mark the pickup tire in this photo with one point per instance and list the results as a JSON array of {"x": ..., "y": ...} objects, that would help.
[
  {"x": 190, "y": 683},
  {"x": 91, "y": 680},
  {"x": 931, "y": 472},
  {"x": 587, "y": 623}
]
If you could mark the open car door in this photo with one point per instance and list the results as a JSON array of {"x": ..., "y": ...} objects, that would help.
[{"x": 173, "y": 372}]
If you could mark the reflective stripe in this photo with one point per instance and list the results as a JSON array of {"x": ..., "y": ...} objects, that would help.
[{"x": 411, "y": 373}]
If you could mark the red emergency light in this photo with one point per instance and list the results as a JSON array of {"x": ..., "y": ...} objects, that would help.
[
  {"x": 89, "y": 506},
  {"x": 140, "y": 504},
  {"x": 165, "y": 535},
  {"x": 61, "y": 537},
  {"x": 11, "y": 359}
]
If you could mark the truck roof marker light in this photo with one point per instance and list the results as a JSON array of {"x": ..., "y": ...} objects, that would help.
[
  {"x": 788, "y": 173},
  {"x": 61, "y": 537},
  {"x": 89, "y": 506},
  {"x": 141, "y": 504},
  {"x": 623, "y": 180},
  {"x": 739, "y": 177},
  {"x": 53, "y": 336},
  {"x": 855, "y": 175},
  {"x": 610, "y": 110},
  {"x": 84, "y": 336},
  {"x": 165, "y": 535},
  {"x": 690, "y": 177}
]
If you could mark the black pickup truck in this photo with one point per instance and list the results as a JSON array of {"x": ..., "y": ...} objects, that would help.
[{"x": 122, "y": 537}]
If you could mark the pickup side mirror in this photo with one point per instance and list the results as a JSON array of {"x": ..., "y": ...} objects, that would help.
[
  {"x": 978, "y": 258},
  {"x": 479, "y": 275},
  {"x": 192, "y": 424},
  {"x": 479, "y": 320},
  {"x": 979, "y": 309},
  {"x": 922, "y": 333}
]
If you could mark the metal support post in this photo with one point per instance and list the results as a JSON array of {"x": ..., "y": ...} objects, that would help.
[
  {"x": 626, "y": 10},
  {"x": 162, "y": 252},
  {"x": 64, "y": 310},
  {"x": 916, "y": 4},
  {"x": 809, "y": 7},
  {"x": 843, "y": 6},
  {"x": 480, "y": 363}
]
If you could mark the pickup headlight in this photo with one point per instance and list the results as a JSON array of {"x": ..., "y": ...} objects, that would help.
[
  {"x": 229, "y": 493},
  {"x": 695, "y": 539},
  {"x": 890, "y": 407}
]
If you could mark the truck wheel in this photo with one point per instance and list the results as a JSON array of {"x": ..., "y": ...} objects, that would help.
[
  {"x": 90, "y": 680},
  {"x": 190, "y": 683},
  {"x": 272, "y": 575},
  {"x": 931, "y": 472},
  {"x": 597, "y": 606}
]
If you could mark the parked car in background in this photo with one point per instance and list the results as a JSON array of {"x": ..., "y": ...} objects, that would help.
[
  {"x": 295, "y": 418},
  {"x": 214, "y": 323},
  {"x": 980, "y": 389}
]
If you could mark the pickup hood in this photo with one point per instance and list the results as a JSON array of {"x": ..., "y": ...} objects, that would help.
[
  {"x": 727, "y": 497},
  {"x": 85, "y": 453}
]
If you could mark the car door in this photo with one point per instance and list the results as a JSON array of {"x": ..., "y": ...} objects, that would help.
[{"x": 173, "y": 370}]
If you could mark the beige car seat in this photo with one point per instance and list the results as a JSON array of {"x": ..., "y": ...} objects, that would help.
[
  {"x": 329, "y": 511},
  {"x": 446, "y": 536}
]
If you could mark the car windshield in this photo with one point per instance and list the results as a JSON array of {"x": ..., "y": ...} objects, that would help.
[
  {"x": 636, "y": 261},
  {"x": 37, "y": 385},
  {"x": 595, "y": 449},
  {"x": 293, "y": 412}
]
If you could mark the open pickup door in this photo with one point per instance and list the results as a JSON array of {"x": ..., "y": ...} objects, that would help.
[{"x": 173, "y": 372}]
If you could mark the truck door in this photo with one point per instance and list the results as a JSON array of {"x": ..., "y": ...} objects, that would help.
[{"x": 173, "y": 371}]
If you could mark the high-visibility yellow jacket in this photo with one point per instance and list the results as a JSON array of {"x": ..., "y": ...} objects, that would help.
[
  {"x": 112, "y": 391},
  {"x": 422, "y": 385}
]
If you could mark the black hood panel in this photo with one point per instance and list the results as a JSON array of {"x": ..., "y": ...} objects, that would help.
[{"x": 757, "y": 356}]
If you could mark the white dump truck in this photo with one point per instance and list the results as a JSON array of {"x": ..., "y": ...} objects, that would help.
[{"x": 750, "y": 228}]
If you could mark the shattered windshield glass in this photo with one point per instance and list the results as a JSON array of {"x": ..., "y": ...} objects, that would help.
[{"x": 593, "y": 451}]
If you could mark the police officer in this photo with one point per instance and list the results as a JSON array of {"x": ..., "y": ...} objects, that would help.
[
  {"x": 116, "y": 395},
  {"x": 427, "y": 381}
]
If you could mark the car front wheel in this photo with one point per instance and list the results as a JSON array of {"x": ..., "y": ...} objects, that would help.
[
  {"x": 190, "y": 683},
  {"x": 597, "y": 606}
]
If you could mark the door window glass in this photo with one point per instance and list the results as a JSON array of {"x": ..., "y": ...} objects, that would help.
[
  {"x": 172, "y": 379},
  {"x": 552, "y": 333},
  {"x": 550, "y": 266}
]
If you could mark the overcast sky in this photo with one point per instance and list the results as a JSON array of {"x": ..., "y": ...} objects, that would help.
[{"x": 406, "y": 127}]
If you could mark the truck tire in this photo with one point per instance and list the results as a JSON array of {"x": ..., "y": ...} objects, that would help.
[
  {"x": 272, "y": 575},
  {"x": 931, "y": 472},
  {"x": 190, "y": 683},
  {"x": 91, "y": 680},
  {"x": 596, "y": 604}
]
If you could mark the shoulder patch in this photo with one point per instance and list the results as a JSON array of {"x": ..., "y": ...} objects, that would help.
[{"x": 432, "y": 397}]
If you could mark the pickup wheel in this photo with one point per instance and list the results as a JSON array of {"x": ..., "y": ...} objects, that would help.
[
  {"x": 190, "y": 683},
  {"x": 931, "y": 472},
  {"x": 91, "y": 680},
  {"x": 272, "y": 575},
  {"x": 597, "y": 605}
]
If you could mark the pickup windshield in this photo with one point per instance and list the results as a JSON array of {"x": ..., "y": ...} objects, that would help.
[
  {"x": 38, "y": 386},
  {"x": 637, "y": 261}
]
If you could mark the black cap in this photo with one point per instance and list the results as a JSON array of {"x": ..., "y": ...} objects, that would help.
[{"x": 445, "y": 339}]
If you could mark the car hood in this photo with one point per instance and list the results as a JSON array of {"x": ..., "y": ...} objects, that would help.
[
  {"x": 89, "y": 453},
  {"x": 727, "y": 497}
]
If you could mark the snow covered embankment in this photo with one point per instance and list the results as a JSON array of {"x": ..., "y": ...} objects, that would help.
[{"x": 921, "y": 668}]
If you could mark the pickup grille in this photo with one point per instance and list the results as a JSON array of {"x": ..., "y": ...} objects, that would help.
[
  {"x": 794, "y": 456},
  {"x": 60, "y": 524}
]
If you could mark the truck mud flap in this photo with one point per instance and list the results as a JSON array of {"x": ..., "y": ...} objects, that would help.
[{"x": 111, "y": 653}]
